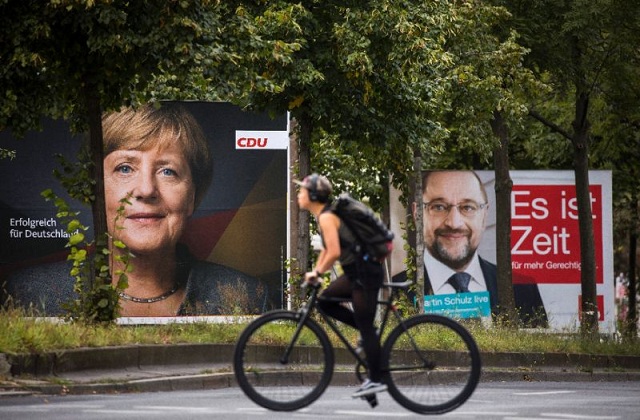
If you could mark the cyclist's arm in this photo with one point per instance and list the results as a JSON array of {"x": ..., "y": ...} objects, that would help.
[{"x": 329, "y": 224}]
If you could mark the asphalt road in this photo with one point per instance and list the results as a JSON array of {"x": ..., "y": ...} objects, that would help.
[{"x": 491, "y": 401}]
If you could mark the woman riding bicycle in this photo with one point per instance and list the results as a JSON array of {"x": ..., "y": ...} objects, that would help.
[{"x": 361, "y": 281}]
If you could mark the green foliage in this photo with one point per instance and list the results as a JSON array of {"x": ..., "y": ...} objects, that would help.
[
  {"x": 7, "y": 154},
  {"x": 366, "y": 79},
  {"x": 349, "y": 167},
  {"x": 96, "y": 300},
  {"x": 26, "y": 334},
  {"x": 487, "y": 76},
  {"x": 126, "y": 52},
  {"x": 75, "y": 177},
  {"x": 377, "y": 81},
  {"x": 235, "y": 299}
]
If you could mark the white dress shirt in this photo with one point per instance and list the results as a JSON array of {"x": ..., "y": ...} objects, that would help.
[{"x": 439, "y": 273}]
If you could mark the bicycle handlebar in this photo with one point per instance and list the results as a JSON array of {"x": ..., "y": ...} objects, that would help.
[
  {"x": 304, "y": 285},
  {"x": 399, "y": 285}
]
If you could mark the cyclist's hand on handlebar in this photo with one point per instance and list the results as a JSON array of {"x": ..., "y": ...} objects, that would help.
[{"x": 311, "y": 278}]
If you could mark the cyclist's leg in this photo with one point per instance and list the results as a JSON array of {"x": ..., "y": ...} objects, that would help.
[
  {"x": 364, "y": 312},
  {"x": 364, "y": 296},
  {"x": 365, "y": 302},
  {"x": 339, "y": 288}
]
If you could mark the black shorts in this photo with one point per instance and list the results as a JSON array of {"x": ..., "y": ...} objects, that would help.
[{"x": 365, "y": 274}]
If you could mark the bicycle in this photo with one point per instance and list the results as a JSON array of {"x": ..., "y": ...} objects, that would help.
[{"x": 284, "y": 360}]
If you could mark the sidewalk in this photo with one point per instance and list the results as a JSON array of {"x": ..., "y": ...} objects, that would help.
[{"x": 152, "y": 368}]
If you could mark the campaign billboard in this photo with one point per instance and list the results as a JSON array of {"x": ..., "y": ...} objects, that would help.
[
  {"x": 233, "y": 239},
  {"x": 545, "y": 245}
]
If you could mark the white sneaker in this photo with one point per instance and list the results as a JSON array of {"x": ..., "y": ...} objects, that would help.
[{"x": 369, "y": 387}]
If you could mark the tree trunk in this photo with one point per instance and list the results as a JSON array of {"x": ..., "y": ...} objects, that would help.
[
  {"x": 417, "y": 168},
  {"x": 302, "y": 261},
  {"x": 631, "y": 323},
  {"x": 294, "y": 214},
  {"x": 94, "y": 114},
  {"x": 506, "y": 313},
  {"x": 580, "y": 139}
]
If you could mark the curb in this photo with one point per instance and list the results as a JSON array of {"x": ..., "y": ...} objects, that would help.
[
  {"x": 140, "y": 356},
  {"x": 119, "y": 357},
  {"x": 173, "y": 367},
  {"x": 227, "y": 380}
]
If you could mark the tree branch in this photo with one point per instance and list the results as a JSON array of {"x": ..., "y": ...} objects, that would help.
[{"x": 552, "y": 126}]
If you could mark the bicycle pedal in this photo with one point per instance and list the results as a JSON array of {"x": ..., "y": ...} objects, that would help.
[{"x": 371, "y": 399}]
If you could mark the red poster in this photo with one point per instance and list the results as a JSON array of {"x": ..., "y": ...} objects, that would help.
[{"x": 545, "y": 238}]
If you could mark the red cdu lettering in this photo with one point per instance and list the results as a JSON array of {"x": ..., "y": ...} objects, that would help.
[{"x": 250, "y": 142}]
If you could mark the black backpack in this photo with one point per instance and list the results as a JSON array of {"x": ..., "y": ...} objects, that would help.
[{"x": 373, "y": 238}]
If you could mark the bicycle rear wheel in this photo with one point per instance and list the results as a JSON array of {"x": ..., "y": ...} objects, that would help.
[
  {"x": 279, "y": 371},
  {"x": 433, "y": 364}
]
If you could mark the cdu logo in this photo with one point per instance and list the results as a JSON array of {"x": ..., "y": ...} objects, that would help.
[
  {"x": 262, "y": 140},
  {"x": 251, "y": 142}
]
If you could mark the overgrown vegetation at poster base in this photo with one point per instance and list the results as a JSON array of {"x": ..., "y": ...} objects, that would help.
[
  {"x": 23, "y": 333},
  {"x": 96, "y": 298}
]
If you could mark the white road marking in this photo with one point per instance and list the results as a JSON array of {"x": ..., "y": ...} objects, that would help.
[
  {"x": 524, "y": 418},
  {"x": 181, "y": 409},
  {"x": 544, "y": 393},
  {"x": 252, "y": 410},
  {"x": 384, "y": 414},
  {"x": 121, "y": 412},
  {"x": 26, "y": 408},
  {"x": 578, "y": 416},
  {"x": 492, "y": 414}
]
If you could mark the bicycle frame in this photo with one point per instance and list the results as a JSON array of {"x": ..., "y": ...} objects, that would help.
[
  {"x": 389, "y": 307},
  {"x": 420, "y": 375}
]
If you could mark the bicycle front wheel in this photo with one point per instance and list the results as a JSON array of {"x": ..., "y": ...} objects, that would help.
[
  {"x": 433, "y": 364},
  {"x": 279, "y": 369}
]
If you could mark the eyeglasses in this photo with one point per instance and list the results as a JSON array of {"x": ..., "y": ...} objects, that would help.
[{"x": 441, "y": 209}]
